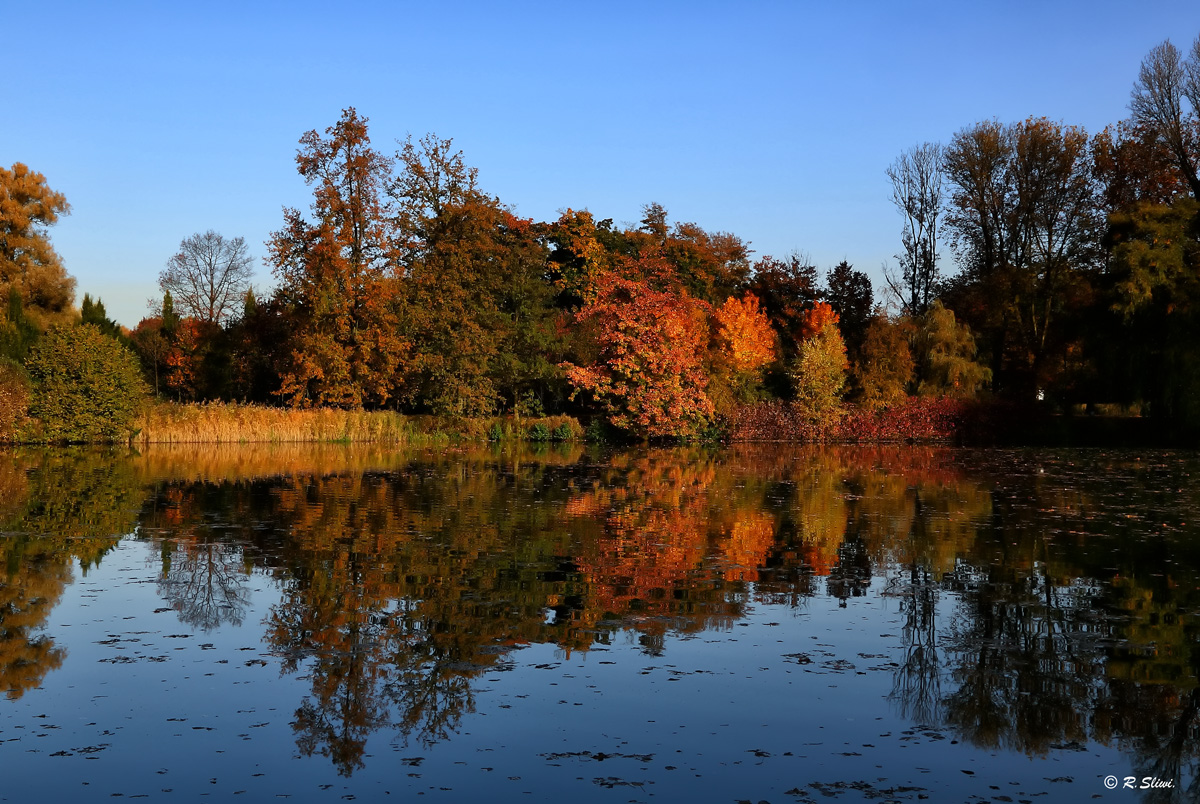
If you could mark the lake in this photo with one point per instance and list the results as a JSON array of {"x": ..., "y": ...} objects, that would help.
[{"x": 759, "y": 623}]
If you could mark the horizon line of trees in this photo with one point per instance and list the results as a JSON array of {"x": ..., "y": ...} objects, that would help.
[{"x": 406, "y": 286}]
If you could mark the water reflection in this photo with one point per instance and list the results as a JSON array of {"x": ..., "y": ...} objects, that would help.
[
  {"x": 58, "y": 509},
  {"x": 1041, "y": 608}
]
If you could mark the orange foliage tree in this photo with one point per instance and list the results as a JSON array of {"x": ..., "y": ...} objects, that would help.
[
  {"x": 746, "y": 333},
  {"x": 185, "y": 358},
  {"x": 28, "y": 261},
  {"x": 650, "y": 344},
  {"x": 743, "y": 345},
  {"x": 336, "y": 275}
]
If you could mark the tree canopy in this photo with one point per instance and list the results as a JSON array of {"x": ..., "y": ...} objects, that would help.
[{"x": 28, "y": 261}]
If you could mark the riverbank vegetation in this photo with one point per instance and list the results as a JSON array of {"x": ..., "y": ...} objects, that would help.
[{"x": 411, "y": 304}]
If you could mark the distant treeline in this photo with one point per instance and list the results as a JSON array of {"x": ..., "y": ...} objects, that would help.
[{"x": 406, "y": 287}]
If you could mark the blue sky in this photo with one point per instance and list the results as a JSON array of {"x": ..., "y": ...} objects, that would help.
[{"x": 774, "y": 121}]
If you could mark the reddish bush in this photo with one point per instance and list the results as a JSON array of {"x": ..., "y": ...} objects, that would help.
[{"x": 914, "y": 419}]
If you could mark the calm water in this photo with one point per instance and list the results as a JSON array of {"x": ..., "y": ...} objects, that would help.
[{"x": 778, "y": 624}]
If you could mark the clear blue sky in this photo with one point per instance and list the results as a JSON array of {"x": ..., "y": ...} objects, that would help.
[{"x": 774, "y": 121}]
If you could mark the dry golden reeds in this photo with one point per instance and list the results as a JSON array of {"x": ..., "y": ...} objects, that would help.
[
  {"x": 232, "y": 423},
  {"x": 224, "y": 423}
]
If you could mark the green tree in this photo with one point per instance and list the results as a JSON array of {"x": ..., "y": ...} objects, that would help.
[
  {"x": 478, "y": 307},
  {"x": 945, "y": 355},
  {"x": 885, "y": 366},
  {"x": 1150, "y": 345},
  {"x": 850, "y": 295},
  {"x": 17, "y": 332},
  {"x": 170, "y": 318},
  {"x": 86, "y": 386},
  {"x": 94, "y": 313}
]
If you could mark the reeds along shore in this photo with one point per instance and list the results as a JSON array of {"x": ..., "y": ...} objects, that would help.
[{"x": 227, "y": 423}]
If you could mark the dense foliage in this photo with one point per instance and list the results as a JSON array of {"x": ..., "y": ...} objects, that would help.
[
  {"x": 1075, "y": 284},
  {"x": 86, "y": 385}
]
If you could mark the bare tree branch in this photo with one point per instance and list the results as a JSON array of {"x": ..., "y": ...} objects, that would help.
[
  {"x": 916, "y": 178},
  {"x": 1164, "y": 81},
  {"x": 209, "y": 276}
]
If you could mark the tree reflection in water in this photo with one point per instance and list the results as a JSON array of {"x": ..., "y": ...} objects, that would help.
[
  {"x": 59, "y": 508},
  {"x": 1036, "y": 615}
]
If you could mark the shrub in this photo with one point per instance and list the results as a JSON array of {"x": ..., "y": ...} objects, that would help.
[
  {"x": 539, "y": 432},
  {"x": 562, "y": 433},
  {"x": 86, "y": 386},
  {"x": 14, "y": 400},
  {"x": 596, "y": 432}
]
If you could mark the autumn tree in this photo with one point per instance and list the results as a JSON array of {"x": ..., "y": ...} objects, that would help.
[
  {"x": 196, "y": 361},
  {"x": 442, "y": 221},
  {"x": 1134, "y": 166},
  {"x": 917, "y": 179},
  {"x": 647, "y": 370},
  {"x": 945, "y": 356},
  {"x": 745, "y": 345},
  {"x": 709, "y": 265},
  {"x": 820, "y": 369},
  {"x": 478, "y": 309},
  {"x": 885, "y": 364},
  {"x": 336, "y": 274},
  {"x": 745, "y": 333},
  {"x": 208, "y": 276},
  {"x": 787, "y": 289},
  {"x": 1166, "y": 100},
  {"x": 577, "y": 258},
  {"x": 1025, "y": 225},
  {"x": 27, "y": 260}
]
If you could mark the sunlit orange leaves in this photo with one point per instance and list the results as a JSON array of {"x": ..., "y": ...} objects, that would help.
[
  {"x": 750, "y": 540},
  {"x": 746, "y": 333},
  {"x": 820, "y": 316},
  {"x": 648, "y": 373}
]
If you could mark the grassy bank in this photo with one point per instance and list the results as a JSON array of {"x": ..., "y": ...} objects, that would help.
[{"x": 220, "y": 423}]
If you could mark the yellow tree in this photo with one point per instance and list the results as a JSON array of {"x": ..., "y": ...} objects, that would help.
[
  {"x": 27, "y": 260},
  {"x": 820, "y": 371}
]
